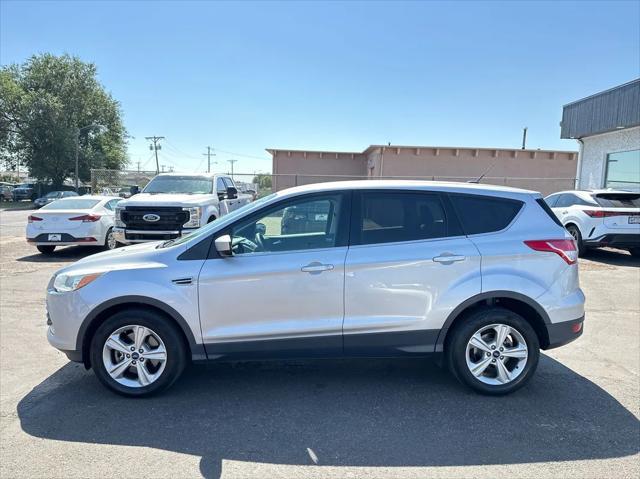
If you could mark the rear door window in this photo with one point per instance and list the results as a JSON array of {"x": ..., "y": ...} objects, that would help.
[
  {"x": 484, "y": 214},
  {"x": 388, "y": 217},
  {"x": 565, "y": 200}
]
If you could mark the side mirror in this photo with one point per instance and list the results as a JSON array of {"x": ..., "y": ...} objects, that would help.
[
  {"x": 135, "y": 190},
  {"x": 232, "y": 193},
  {"x": 223, "y": 245}
]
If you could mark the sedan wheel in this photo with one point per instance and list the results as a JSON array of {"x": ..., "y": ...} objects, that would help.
[
  {"x": 134, "y": 356},
  {"x": 110, "y": 242}
]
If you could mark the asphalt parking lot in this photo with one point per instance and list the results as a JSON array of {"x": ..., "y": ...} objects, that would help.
[{"x": 330, "y": 419}]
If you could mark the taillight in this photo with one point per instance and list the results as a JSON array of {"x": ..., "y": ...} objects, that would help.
[
  {"x": 85, "y": 218},
  {"x": 605, "y": 214},
  {"x": 32, "y": 218},
  {"x": 565, "y": 248}
]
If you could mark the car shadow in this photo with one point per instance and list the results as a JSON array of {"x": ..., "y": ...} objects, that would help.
[
  {"x": 349, "y": 413},
  {"x": 65, "y": 254},
  {"x": 613, "y": 257}
]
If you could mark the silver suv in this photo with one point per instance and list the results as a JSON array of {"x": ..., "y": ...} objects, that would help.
[{"x": 481, "y": 276}]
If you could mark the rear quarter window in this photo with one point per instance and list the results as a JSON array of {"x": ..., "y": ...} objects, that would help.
[{"x": 484, "y": 214}]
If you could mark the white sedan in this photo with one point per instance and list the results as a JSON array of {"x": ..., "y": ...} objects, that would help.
[{"x": 81, "y": 220}]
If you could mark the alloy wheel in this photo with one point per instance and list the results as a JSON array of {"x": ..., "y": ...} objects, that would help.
[
  {"x": 496, "y": 354},
  {"x": 111, "y": 240},
  {"x": 134, "y": 356}
]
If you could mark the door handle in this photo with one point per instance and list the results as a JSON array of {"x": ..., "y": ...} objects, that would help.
[
  {"x": 449, "y": 258},
  {"x": 316, "y": 267}
]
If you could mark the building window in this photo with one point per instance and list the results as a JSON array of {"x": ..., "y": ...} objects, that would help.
[{"x": 623, "y": 170}]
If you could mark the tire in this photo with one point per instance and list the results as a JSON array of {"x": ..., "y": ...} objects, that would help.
[
  {"x": 127, "y": 381},
  {"x": 635, "y": 252},
  {"x": 110, "y": 242},
  {"x": 575, "y": 232},
  {"x": 46, "y": 249},
  {"x": 461, "y": 355}
]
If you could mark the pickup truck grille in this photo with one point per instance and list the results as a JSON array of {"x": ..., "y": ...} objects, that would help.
[{"x": 171, "y": 218}]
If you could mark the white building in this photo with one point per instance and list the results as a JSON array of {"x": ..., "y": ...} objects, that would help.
[{"x": 607, "y": 127}]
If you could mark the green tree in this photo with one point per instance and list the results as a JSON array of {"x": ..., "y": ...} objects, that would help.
[{"x": 45, "y": 103}]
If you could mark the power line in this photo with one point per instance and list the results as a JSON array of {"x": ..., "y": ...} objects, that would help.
[{"x": 155, "y": 147}]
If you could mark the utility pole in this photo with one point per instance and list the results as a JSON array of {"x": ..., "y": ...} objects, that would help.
[
  {"x": 163, "y": 166},
  {"x": 155, "y": 147},
  {"x": 524, "y": 137},
  {"x": 138, "y": 167},
  {"x": 208, "y": 154},
  {"x": 232, "y": 162}
]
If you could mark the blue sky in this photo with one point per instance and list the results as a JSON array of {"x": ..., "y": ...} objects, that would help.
[{"x": 242, "y": 77}]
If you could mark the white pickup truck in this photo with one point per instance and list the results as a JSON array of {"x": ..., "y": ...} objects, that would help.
[{"x": 173, "y": 205}]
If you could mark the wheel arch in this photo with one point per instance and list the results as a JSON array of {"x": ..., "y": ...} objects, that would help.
[
  {"x": 520, "y": 304},
  {"x": 107, "y": 309}
]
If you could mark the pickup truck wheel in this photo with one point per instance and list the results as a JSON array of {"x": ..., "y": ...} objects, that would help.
[
  {"x": 494, "y": 351},
  {"x": 45, "y": 249},
  {"x": 137, "y": 353}
]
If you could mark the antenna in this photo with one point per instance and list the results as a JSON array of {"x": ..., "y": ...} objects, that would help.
[{"x": 484, "y": 174}]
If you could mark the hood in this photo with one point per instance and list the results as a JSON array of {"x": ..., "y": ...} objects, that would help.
[
  {"x": 167, "y": 199},
  {"x": 143, "y": 255}
]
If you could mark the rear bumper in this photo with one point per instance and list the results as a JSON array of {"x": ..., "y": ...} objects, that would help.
[
  {"x": 563, "y": 333},
  {"x": 615, "y": 240},
  {"x": 65, "y": 239}
]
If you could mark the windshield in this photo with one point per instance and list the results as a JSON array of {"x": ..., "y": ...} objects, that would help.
[
  {"x": 74, "y": 204},
  {"x": 618, "y": 200},
  {"x": 249, "y": 207},
  {"x": 53, "y": 194},
  {"x": 190, "y": 185}
]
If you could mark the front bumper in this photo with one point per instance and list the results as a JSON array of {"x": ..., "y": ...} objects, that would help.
[
  {"x": 128, "y": 236},
  {"x": 615, "y": 240},
  {"x": 563, "y": 333}
]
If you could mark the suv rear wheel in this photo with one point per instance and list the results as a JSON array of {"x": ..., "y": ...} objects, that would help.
[
  {"x": 137, "y": 353},
  {"x": 577, "y": 236},
  {"x": 494, "y": 351},
  {"x": 45, "y": 249}
]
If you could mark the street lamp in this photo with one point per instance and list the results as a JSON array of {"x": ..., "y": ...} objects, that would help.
[{"x": 80, "y": 130}]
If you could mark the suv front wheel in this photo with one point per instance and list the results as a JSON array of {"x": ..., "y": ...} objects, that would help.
[
  {"x": 137, "y": 353},
  {"x": 494, "y": 351}
]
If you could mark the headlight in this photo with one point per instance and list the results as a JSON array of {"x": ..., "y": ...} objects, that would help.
[
  {"x": 194, "y": 217},
  {"x": 71, "y": 282},
  {"x": 118, "y": 218}
]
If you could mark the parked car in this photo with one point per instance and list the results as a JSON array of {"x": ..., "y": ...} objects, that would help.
[
  {"x": 6, "y": 193},
  {"x": 24, "y": 191},
  {"x": 598, "y": 218},
  {"x": 395, "y": 271},
  {"x": 52, "y": 196},
  {"x": 173, "y": 205},
  {"x": 81, "y": 220}
]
